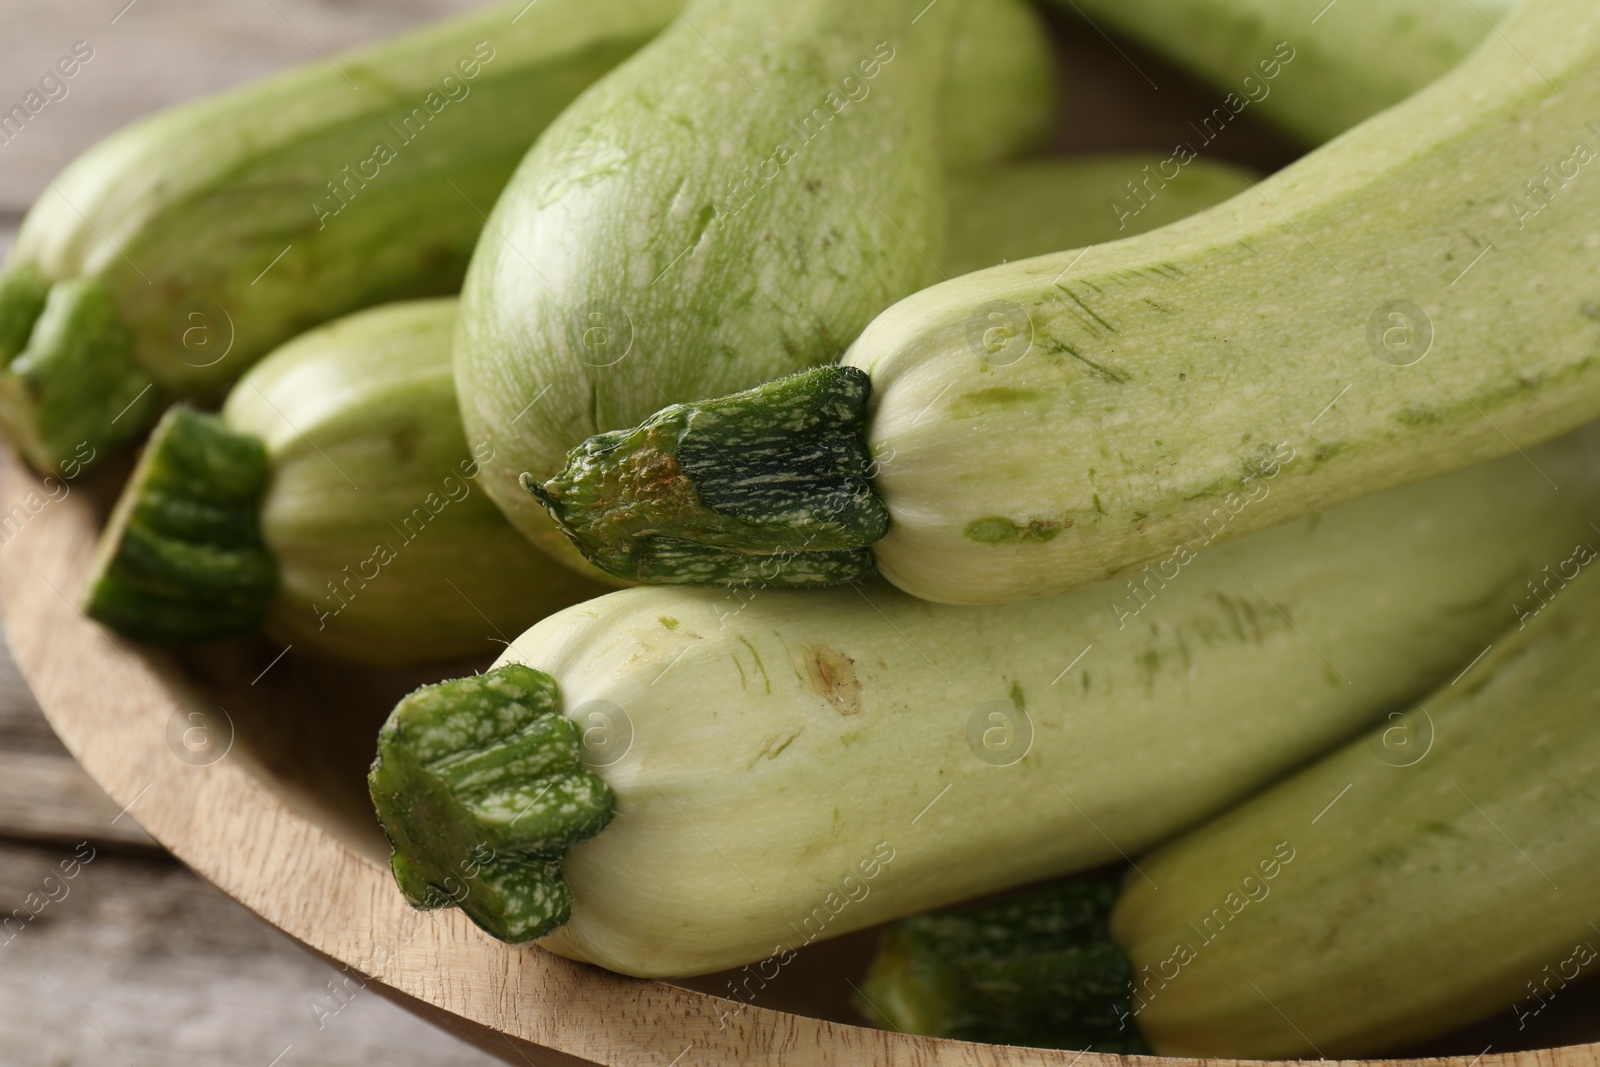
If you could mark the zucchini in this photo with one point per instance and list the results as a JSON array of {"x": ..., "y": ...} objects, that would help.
[
  {"x": 1338, "y": 64},
  {"x": 856, "y": 755},
  {"x": 1045, "y": 424},
  {"x": 1439, "y": 871},
  {"x": 999, "y": 102},
  {"x": 1027, "y": 209},
  {"x": 734, "y": 203},
  {"x": 330, "y": 502},
  {"x": 173, "y": 254}
]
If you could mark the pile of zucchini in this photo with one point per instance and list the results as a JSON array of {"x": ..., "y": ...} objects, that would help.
[{"x": 906, "y": 514}]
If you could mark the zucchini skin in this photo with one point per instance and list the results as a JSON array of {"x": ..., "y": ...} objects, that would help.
[
  {"x": 1451, "y": 882},
  {"x": 807, "y": 733},
  {"x": 189, "y": 244},
  {"x": 1001, "y": 100},
  {"x": 362, "y": 428},
  {"x": 1041, "y": 206},
  {"x": 1348, "y": 63},
  {"x": 375, "y": 542},
  {"x": 762, "y": 277},
  {"x": 808, "y": 516}
]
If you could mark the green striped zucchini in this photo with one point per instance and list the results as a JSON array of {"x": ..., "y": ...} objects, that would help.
[
  {"x": 856, "y": 755},
  {"x": 1379, "y": 313}
]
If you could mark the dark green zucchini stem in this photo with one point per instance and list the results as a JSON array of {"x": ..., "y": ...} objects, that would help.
[
  {"x": 479, "y": 786},
  {"x": 70, "y": 387},
  {"x": 771, "y": 486},
  {"x": 1036, "y": 969},
  {"x": 181, "y": 559}
]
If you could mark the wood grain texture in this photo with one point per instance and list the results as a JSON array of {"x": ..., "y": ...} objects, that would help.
[
  {"x": 132, "y": 959},
  {"x": 44, "y": 794}
]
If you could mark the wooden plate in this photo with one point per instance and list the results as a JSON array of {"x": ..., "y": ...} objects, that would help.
[{"x": 248, "y": 763}]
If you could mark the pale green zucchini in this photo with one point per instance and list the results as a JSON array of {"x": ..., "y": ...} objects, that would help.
[
  {"x": 1368, "y": 316},
  {"x": 734, "y": 203},
  {"x": 172, "y": 255},
  {"x": 1439, "y": 871},
  {"x": 1000, "y": 101},
  {"x": 787, "y": 765},
  {"x": 1310, "y": 67},
  {"x": 1029, "y": 209},
  {"x": 332, "y": 502}
]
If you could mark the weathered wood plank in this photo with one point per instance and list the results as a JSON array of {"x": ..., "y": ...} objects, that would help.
[
  {"x": 48, "y": 797},
  {"x": 136, "y": 960},
  {"x": 44, "y": 794}
]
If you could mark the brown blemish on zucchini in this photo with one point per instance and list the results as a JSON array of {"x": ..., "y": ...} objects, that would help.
[
  {"x": 1326, "y": 452},
  {"x": 832, "y": 675}
]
